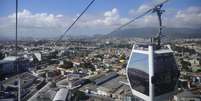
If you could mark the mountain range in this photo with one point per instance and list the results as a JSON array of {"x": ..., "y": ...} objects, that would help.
[{"x": 170, "y": 33}]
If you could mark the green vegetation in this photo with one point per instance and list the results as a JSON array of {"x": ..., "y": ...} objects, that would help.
[
  {"x": 1, "y": 55},
  {"x": 66, "y": 65},
  {"x": 80, "y": 96},
  {"x": 88, "y": 65},
  {"x": 186, "y": 65}
]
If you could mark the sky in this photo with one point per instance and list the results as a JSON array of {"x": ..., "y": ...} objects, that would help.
[{"x": 50, "y": 18}]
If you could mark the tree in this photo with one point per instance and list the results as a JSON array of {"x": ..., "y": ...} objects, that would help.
[
  {"x": 123, "y": 56},
  {"x": 199, "y": 61},
  {"x": 101, "y": 56},
  {"x": 67, "y": 64},
  {"x": 124, "y": 65},
  {"x": 88, "y": 65},
  {"x": 80, "y": 95},
  {"x": 198, "y": 71},
  {"x": 186, "y": 65},
  {"x": 2, "y": 55},
  {"x": 53, "y": 84}
]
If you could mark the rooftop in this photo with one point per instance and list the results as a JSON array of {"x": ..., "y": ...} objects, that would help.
[
  {"x": 105, "y": 78},
  {"x": 25, "y": 78},
  {"x": 61, "y": 95}
]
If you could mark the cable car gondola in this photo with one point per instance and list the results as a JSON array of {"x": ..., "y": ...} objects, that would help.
[{"x": 152, "y": 70}]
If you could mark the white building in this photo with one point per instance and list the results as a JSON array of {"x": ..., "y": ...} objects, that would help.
[{"x": 61, "y": 95}]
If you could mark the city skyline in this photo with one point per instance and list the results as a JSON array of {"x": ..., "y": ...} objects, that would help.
[{"x": 100, "y": 50}]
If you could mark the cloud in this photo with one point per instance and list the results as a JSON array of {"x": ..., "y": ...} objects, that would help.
[
  {"x": 109, "y": 18},
  {"x": 149, "y": 20},
  {"x": 101, "y": 23},
  {"x": 189, "y": 17},
  {"x": 44, "y": 24},
  {"x": 141, "y": 9},
  {"x": 34, "y": 24},
  {"x": 52, "y": 25},
  {"x": 38, "y": 20}
]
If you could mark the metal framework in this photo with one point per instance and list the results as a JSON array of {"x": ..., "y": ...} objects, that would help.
[{"x": 156, "y": 9}]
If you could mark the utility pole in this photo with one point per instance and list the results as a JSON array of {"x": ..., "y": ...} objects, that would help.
[{"x": 16, "y": 50}]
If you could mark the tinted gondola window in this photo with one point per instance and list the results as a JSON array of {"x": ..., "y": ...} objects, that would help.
[
  {"x": 165, "y": 73},
  {"x": 138, "y": 72}
]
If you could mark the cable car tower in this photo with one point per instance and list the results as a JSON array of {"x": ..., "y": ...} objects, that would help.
[{"x": 152, "y": 70}]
